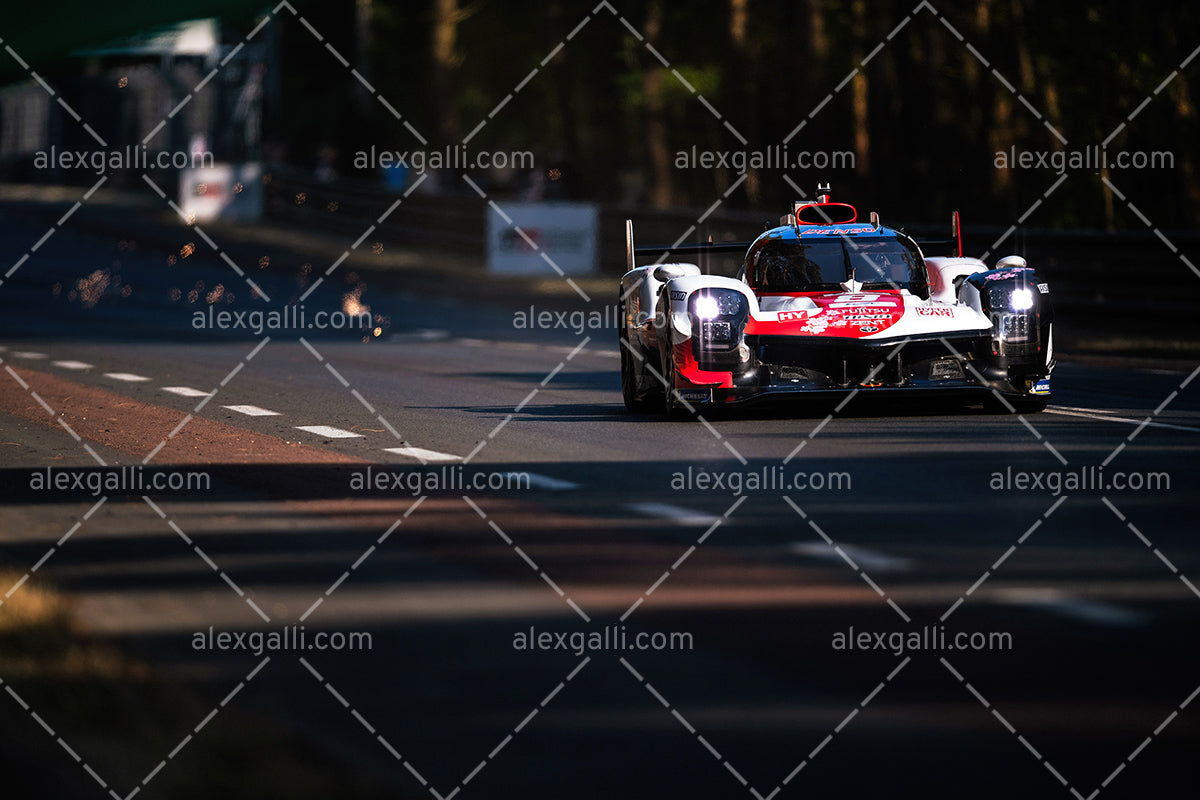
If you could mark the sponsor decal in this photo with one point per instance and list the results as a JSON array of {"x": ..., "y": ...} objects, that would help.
[
  {"x": 1041, "y": 387},
  {"x": 678, "y": 295},
  {"x": 695, "y": 395},
  {"x": 868, "y": 316},
  {"x": 934, "y": 311},
  {"x": 789, "y": 316},
  {"x": 1044, "y": 288},
  {"x": 834, "y": 231},
  {"x": 869, "y": 329},
  {"x": 1008, "y": 273}
]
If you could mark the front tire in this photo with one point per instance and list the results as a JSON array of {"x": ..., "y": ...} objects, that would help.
[{"x": 630, "y": 378}]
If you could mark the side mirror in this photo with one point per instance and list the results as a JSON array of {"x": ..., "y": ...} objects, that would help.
[
  {"x": 668, "y": 272},
  {"x": 1011, "y": 262}
]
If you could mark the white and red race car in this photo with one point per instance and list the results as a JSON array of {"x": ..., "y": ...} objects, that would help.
[{"x": 824, "y": 305}]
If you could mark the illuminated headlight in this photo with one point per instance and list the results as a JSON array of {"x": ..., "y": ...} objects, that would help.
[
  {"x": 718, "y": 316},
  {"x": 1021, "y": 300},
  {"x": 707, "y": 307}
]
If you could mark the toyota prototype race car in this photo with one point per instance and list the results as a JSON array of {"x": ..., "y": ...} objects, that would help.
[{"x": 824, "y": 306}]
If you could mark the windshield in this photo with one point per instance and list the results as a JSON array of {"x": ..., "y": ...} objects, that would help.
[{"x": 807, "y": 265}]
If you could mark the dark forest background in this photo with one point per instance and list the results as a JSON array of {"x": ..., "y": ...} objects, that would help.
[{"x": 924, "y": 118}]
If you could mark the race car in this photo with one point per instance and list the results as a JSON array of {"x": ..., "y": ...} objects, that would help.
[{"x": 824, "y": 306}]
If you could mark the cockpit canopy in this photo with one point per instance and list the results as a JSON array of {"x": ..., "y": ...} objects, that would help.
[{"x": 824, "y": 263}]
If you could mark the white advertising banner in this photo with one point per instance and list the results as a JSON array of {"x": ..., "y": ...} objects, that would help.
[
  {"x": 222, "y": 191},
  {"x": 566, "y": 234}
]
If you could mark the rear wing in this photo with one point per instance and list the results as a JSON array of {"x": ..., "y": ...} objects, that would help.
[
  {"x": 632, "y": 251},
  {"x": 953, "y": 244}
]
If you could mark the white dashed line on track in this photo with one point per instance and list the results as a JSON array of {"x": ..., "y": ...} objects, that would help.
[
  {"x": 186, "y": 391},
  {"x": 543, "y": 482},
  {"x": 872, "y": 560},
  {"x": 1106, "y": 417},
  {"x": 26, "y": 354},
  {"x": 255, "y": 411},
  {"x": 72, "y": 364},
  {"x": 328, "y": 432},
  {"x": 1061, "y": 604},
  {"x": 421, "y": 454},
  {"x": 128, "y": 377},
  {"x": 674, "y": 514}
]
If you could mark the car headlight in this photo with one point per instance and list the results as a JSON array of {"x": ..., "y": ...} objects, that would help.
[
  {"x": 706, "y": 307},
  {"x": 1021, "y": 300},
  {"x": 718, "y": 318}
]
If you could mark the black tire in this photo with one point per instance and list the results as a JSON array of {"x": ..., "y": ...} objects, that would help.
[{"x": 634, "y": 402}]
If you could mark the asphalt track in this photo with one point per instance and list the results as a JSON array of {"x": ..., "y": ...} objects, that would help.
[{"x": 915, "y": 529}]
